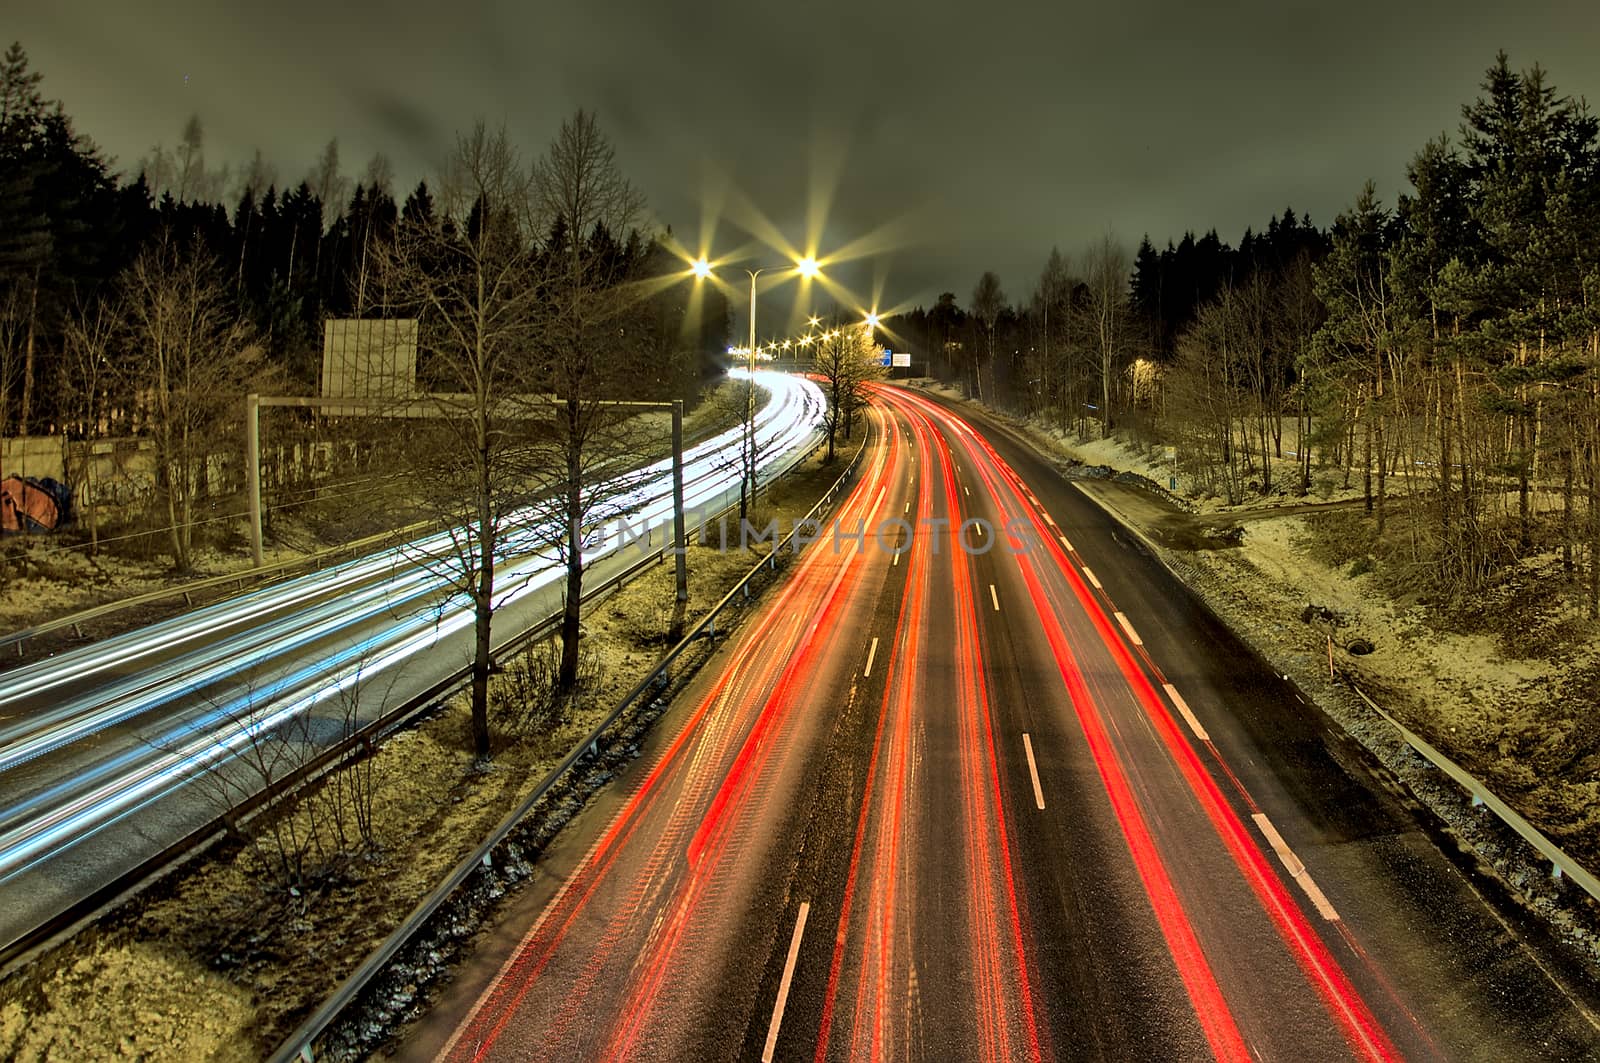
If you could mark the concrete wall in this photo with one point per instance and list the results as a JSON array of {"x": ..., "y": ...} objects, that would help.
[{"x": 123, "y": 469}]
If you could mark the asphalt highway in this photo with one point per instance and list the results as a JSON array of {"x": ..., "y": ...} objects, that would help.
[
  {"x": 112, "y": 752},
  {"x": 991, "y": 785}
]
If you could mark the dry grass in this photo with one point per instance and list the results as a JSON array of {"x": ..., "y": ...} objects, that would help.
[{"x": 211, "y": 965}]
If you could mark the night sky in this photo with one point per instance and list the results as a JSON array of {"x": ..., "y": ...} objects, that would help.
[{"x": 958, "y": 136}]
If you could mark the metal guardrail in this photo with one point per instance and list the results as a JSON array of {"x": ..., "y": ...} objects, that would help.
[
  {"x": 262, "y": 574},
  {"x": 1560, "y": 862},
  {"x": 300, "y": 1045},
  {"x": 16, "y": 953}
]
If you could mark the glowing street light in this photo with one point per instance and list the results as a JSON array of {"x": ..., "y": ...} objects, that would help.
[
  {"x": 807, "y": 267},
  {"x": 872, "y": 320}
]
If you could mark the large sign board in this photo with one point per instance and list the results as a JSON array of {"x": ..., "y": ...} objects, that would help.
[
  {"x": 902, "y": 359},
  {"x": 368, "y": 359}
]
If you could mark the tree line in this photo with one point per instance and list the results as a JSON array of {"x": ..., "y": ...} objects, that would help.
[
  {"x": 543, "y": 299},
  {"x": 287, "y": 254},
  {"x": 1444, "y": 350}
]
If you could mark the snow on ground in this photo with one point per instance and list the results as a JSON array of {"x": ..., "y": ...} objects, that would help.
[{"x": 1510, "y": 690}]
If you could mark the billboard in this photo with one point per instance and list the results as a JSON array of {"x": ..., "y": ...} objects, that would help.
[{"x": 368, "y": 359}]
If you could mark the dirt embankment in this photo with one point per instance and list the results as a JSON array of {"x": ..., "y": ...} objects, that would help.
[{"x": 214, "y": 963}]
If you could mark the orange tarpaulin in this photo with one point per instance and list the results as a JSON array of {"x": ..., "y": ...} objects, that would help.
[{"x": 31, "y": 505}]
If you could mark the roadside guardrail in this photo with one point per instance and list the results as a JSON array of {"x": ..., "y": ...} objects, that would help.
[
  {"x": 301, "y": 1045},
  {"x": 17, "y": 952},
  {"x": 186, "y": 590},
  {"x": 1560, "y": 862}
]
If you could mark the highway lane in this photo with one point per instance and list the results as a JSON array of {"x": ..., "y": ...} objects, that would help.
[
  {"x": 101, "y": 745},
  {"x": 1451, "y": 969},
  {"x": 984, "y": 804}
]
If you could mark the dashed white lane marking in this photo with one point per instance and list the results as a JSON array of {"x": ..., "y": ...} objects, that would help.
[
  {"x": 908, "y": 507},
  {"x": 995, "y": 598},
  {"x": 871, "y": 653},
  {"x": 1066, "y": 545},
  {"x": 783, "y": 985},
  {"x": 1133, "y": 636},
  {"x": 964, "y": 490},
  {"x": 1296, "y": 869},
  {"x": 1183, "y": 710},
  {"x": 896, "y": 560},
  {"x": 1033, "y": 770},
  {"x": 1087, "y": 571}
]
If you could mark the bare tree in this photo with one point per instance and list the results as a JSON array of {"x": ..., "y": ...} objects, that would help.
[
  {"x": 90, "y": 334},
  {"x": 1105, "y": 268},
  {"x": 329, "y": 184},
  {"x": 190, "y": 362},
  {"x": 470, "y": 276},
  {"x": 589, "y": 212},
  {"x": 182, "y": 171},
  {"x": 1052, "y": 298},
  {"x": 845, "y": 360},
  {"x": 380, "y": 174},
  {"x": 988, "y": 302}
]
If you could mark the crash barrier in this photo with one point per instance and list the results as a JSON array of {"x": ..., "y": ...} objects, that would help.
[
  {"x": 1560, "y": 863},
  {"x": 301, "y": 1044}
]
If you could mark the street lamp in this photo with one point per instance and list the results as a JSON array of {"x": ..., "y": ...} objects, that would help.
[{"x": 807, "y": 267}]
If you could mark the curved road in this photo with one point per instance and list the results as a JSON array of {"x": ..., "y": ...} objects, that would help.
[
  {"x": 1009, "y": 794},
  {"x": 112, "y": 752}
]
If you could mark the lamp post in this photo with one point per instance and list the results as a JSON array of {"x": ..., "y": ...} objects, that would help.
[{"x": 806, "y": 267}]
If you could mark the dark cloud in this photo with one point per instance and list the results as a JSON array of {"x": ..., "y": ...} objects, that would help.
[
  {"x": 406, "y": 126},
  {"x": 987, "y": 132}
]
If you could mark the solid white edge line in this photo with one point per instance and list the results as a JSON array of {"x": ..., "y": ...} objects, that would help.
[
  {"x": 994, "y": 597},
  {"x": 1089, "y": 572},
  {"x": 1033, "y": 770},
  {"x": 1183, "y": 710},
  {"x": 1296, "y": 869},
  {"x": 871, "y": 653},
  {"x": 783, "y": 985},
  {"x": 1133, "y": 636}
]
